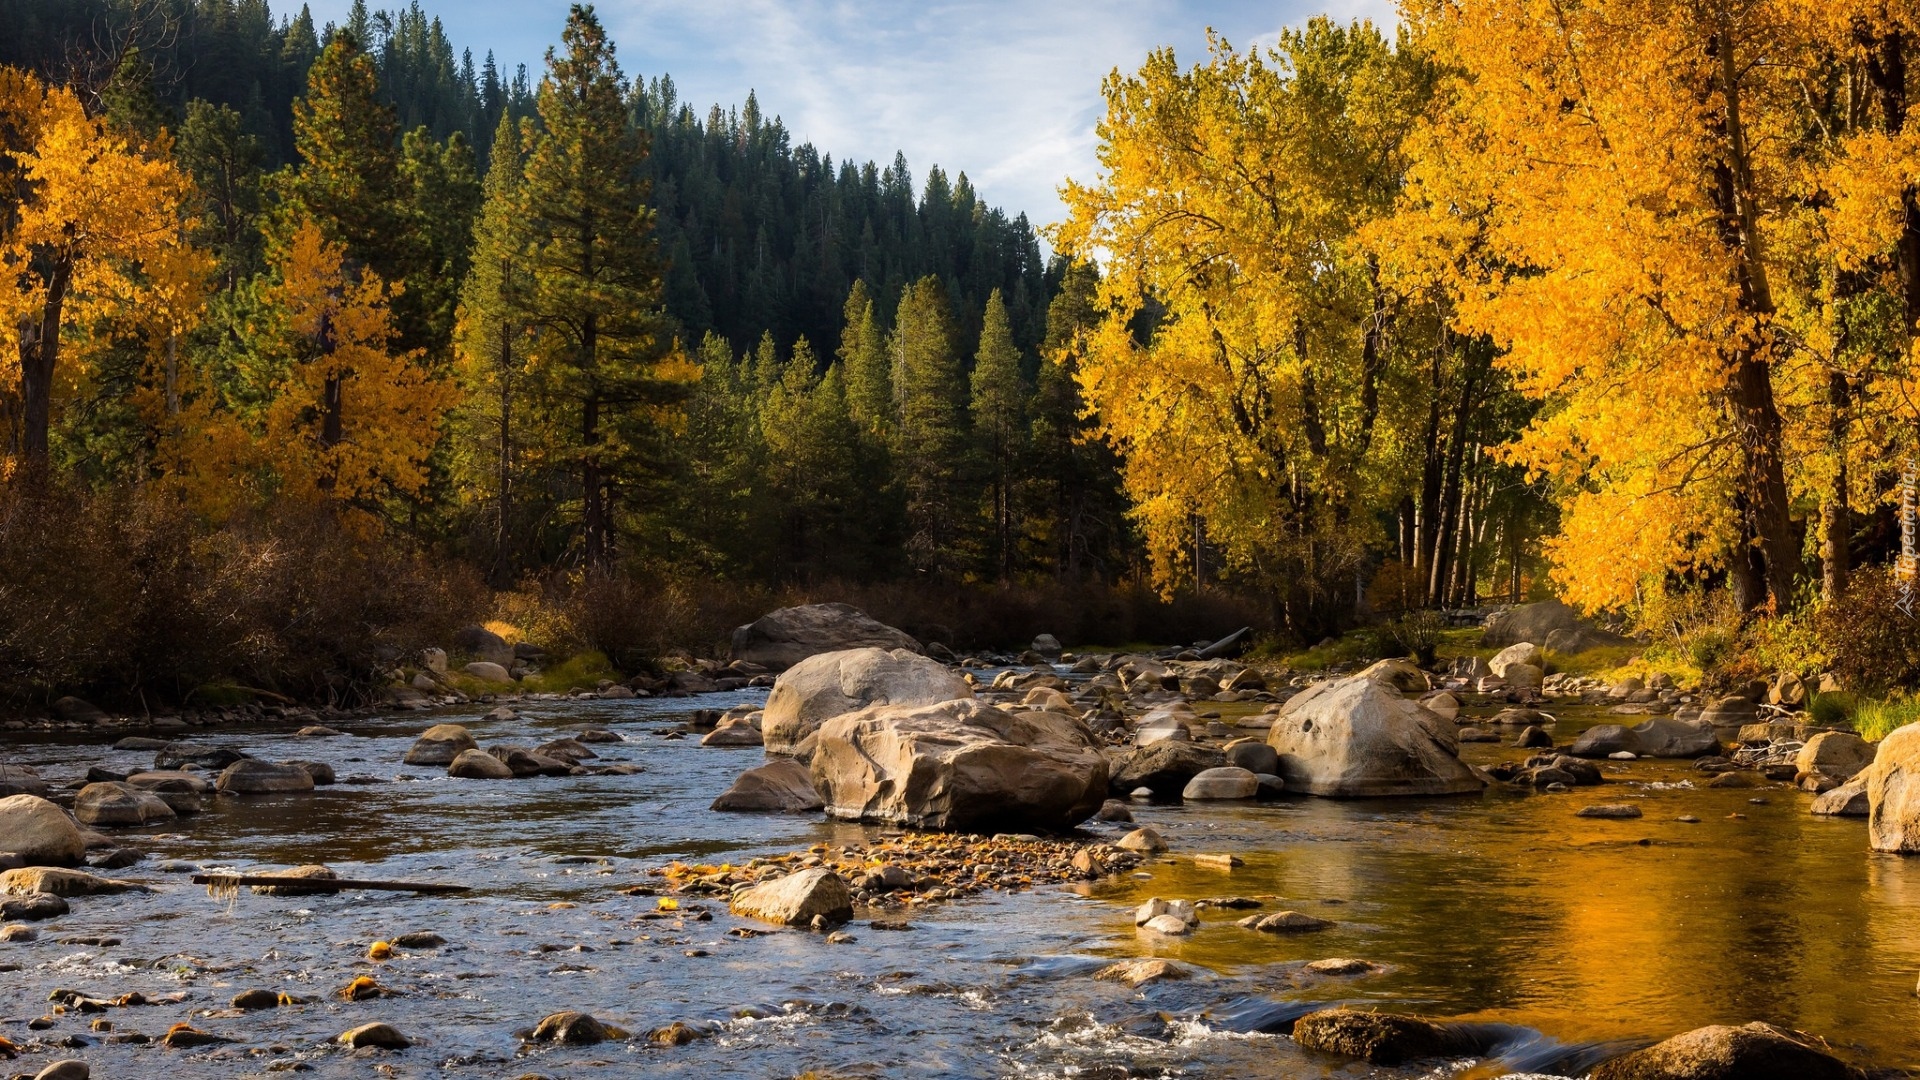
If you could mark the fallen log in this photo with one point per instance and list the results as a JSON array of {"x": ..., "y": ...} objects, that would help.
[{"x": 231, "y": 884}]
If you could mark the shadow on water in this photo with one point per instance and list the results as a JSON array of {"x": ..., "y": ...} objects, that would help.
[{"x": 1557, "y": 941}]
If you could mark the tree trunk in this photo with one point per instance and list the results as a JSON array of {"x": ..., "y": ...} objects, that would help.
[
  {"x": 503, "y": 555},
  {"x": 1836, "y": 525},
  {"x": 39, "y": 358},
  {"x": 593, "y": 479}
]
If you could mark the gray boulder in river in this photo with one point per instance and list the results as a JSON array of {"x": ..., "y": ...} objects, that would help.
[
  {"x": 960, "y": 765},
  {"x": 1359, "y": 737},
  {"x": 1893, "y": 793},
  {"x": 781, "y": 639},
  {"x": 39, "y": 832},
  {"x": 782, "y": 785},
  {"x": 831, "y": 684},
  {"x": 440, "y": 744},
  {"x": 112, "y": 803},
  {"x": 1751, "y": 1052}
]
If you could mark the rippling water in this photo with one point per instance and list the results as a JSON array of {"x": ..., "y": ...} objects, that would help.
[{"x": 1583, "y": 935}]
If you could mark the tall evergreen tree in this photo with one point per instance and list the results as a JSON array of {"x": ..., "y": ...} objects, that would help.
[
  {"x": 605, "y": 356},
  {"x": 999, "y": 406},
  {"x": 863, "y": 355},
  {"x": 930, "y": 430}
]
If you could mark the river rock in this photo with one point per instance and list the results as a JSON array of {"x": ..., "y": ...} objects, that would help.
[
  {"x": 70, "y": 1069},
  {"x": 78, "y": 711},
  {"x": 1893, "y": 793},
  {"x": 179, "y": 789},
  {"x": 314, "y": 871},
  {"x": 1253, "y": 755},
  {"x": 1157, "y": 908},
  {"x": 1836, "y": 754},
  {"x": 1168, "y": 925},
  {"x": 1751, "y": 1052},
  {"x": 1144, "y": 839},
  {"x": 1847, "y": 800},
  {"x": 33, "y": 907},
  {"x": 384, "y": 1036},
  {"x": 1286, "y": 922},
  {"x": 1442, "y": 704},
  {"x": 565, "y": 750},
  {"x": 734, "y": 733},
  {"x": 1046, "y": 645},
  {"x": 1531, "y": 622},
  {"x": 781, "y": 639},
  {"x": 1524, "y": 676},
  {"x": 1138, "y": 973},
  {"x": 119, "y": 804},
  {"x": 1608, "y": 810},
  {"x": 1666, "y": 737},
  {"x": 179, "y": 755},
  {"x": 1383, "y": 1038},
  {"x": 1524, "y": 652},
  {"x": 479, "y": 765},
  {"x": 21, "y": 780},
  {"x": 254, "y": 777},
  {"x": 1533, "y": 738},
  {"x": 795, "y": 900},
  {"x": 1356, "y": 737},
  {"x": 39, "y": 832},
  {"x": 572, "y": 1028},
  {"x": 1229, "y": 782},
  {"x": 1605, "y": 740},
  {"x": 782, "y": 785},
  {"x": 439, "y": 745},
  {"x": 1729, "y": 712},
  {"x": 960, "y": 765},
  {"x": 830, "y": 684},
  {"x": 488, "y": 671},
  {"x": 1398, "y": 674},
  {"x": 57, "y": 882},
  {"x": 1165, "y": 767},
  {"x": 483, "y": 644}
]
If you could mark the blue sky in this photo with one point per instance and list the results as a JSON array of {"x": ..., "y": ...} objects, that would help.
[{"x": 1003, "y": 90}]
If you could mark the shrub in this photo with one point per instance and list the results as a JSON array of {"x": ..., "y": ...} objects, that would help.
[
  {"x": 1871, "y": 644},
  {"x": 1416, "y": 634}
]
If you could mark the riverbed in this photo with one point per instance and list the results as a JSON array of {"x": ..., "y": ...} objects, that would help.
[{"x": 1584, "y": 935}]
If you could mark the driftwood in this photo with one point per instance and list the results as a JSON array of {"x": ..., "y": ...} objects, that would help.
[{"x": 231, "y": 884}]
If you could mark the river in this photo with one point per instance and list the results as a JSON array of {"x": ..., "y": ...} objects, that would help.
[{"x": 1583, "y": 934}]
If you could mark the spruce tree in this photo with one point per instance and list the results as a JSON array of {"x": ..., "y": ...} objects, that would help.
[
  {"x": 348, "y": 173},
  {"x": 998, "y": 406},
  {"x": 607, "y": 364},
  {"x": 863, "y": 356},
  {"x": 930, "y": 429}
]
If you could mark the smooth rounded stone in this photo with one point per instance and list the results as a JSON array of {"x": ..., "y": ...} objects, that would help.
[
  {"x": 318, "y": 731},
  {"x": 1442, "y": 703},
  {"x": 1666, "y": 737},
  {"x": 732, "y": 734},
  {"x": 21, "y": 780},
  {"x": 1357, "y": 737},
  {"x": 572, "y": 1028},
  {"x": 18, "y": 932},
  {"x": 1398, "y": 675},
  {"x": 1535, "y": 622},
  {"x": 1384, "y": 1038},
  {"x": 1475, "y": 735},
  {"x": 75, "y": 710},
  {"x": 57, "y": 881},
  {"x": 959, "y": 765},
  {"x": 34, "y": 907},
  {"x": 1601, "y": 740},
  {"x": 1753, "y": 1051},
  {"x": 314, "y": 871},
  {"x": 1286, "y": 922},
  {"x": 1114, "y": 810},
  {"x": 1228, "y": 782},
  {"x": 1253, "y": 755},
  {"x": 1521, "y": 717},
  {"x": 179, "y": 755},
  {"x": 1271, "y": 785},
  {"x": 523, "y": 762},
  {"x": 1342, "y": 965},
  {"x": 1168, "y": 925},
  {"x": 1164, "y": 767},
  {"x": 439, "y": 745},
  {"x": 252, "y": 1000},
  {"x": 254, "y": 777},
  {"x": 1164, "y": 732},
  {"x": 1534, "y": 738},
  {"x": 418, "y": 939},
  {"x": 1624, "y": 755},
  {"x": 479, "y": 765},
  {"x": 1847, "y": 800},
  {"x": 1838, "y": 754},
  {"x": 487, "y": 671},
  {"x": 1047, "y": 699},
  {"x": 1524, "y": 652},
  {"x": 830, "y": 684},
  {"x": 596, "y": 736},
  {"x": 40, "y": 832},
  {"x": 321, "y": 772},
  {"x": 1734, "y": 780},
  {"x": 1734, "y": 711},
  {"x": 1608, "y": 810},
  {"x": 1140, "y": 793},
  {"x": 782, "y": 786},
  {"x": 565, "y": 750},
  {"x": 1893, "y": 793},
  {"x": 1145, "y": 838},
  {"x": 616, "y": 692},
  {"x": 1787, "y": 689},
  {"x": 797, "y": 899},
  {"x": 1157, "y": 908},
  {"x": 184, "y": 1036},
  {"x": 121, "y": 804},
  {"x": 1524, "y": 676},
  {"x": 384, "y": 1036},
  {"x": 71, "y": 1069},
  {"x": 1138, "y": 973},
  {"x": 780, "y": 640},
  {"x": 141, "y": 742}
]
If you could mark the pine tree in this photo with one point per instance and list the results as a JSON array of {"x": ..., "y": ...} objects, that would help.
[
  {"x": 930, "y": 431},
  {"x": 998, "y": 407},
  {"x": 605, "y": 357},
  {"x": 348, "y": 174},
  {"x": 863, "y": 356}
]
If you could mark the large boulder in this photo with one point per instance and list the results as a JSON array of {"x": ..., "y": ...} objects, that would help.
[
  {"x": 832, "y": 684},
  {"x": 1605, "y": 740},
  {"x": 1838, "y": 754},
  {"x": 960, "y": 765},
  {"x": 39, "y": 832},
  {"x": 1722, "y": 1052},
  {"x": 1164, "y": 766},
  {"x": 1358, "y": 737},
  {"x": 1384, "y": 1038},
  {"x": 797, "y": 899},
  {"x": 1666, "y": 737},
  {"x": 478, "y": 765},
  {"x": 1538, "y": 622},
  {"x": 439, "y": 745},
  {"x": 782, "y": 785},
  {"x": 1847, "y": 800},
  {"x": 483, "y": 644},
  {"x": 780, "y": 639},
  {"x": 21, "y": 780},
  {"x": 1228, "y": 782},
  {"x": 1893, "y": 793},
  {"x": 1524, "y": 652},
  {"x": 255, "y": 777},
  {"x": 111, "y": 803}
]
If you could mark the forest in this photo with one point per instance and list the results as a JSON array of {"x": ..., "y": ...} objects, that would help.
[{"x": 323, "y": 340}]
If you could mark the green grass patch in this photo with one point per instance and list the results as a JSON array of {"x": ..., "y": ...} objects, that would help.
[
  {"x": 582, "y": 671},
  {"x": 1875, "y": 720},
  {"x": 221, "y": 696},
  {"x": 1355, "y": 647}
]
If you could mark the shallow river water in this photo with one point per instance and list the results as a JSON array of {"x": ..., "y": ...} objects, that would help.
[{"x": 1584, "y": 935}]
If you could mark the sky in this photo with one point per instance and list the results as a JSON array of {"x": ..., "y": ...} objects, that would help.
[{"x": 1003, "y": 90}]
